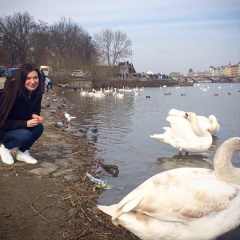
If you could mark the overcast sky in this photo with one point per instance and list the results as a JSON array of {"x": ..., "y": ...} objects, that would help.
[{"x": 167, "y": 35}]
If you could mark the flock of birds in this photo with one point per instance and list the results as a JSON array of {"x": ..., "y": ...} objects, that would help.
[
  {"x": 83, "y": 130},
  {"x": 119, "y": 93},
  {"x": 64, "y": 124},
  {"x": 185, "y": 203}
]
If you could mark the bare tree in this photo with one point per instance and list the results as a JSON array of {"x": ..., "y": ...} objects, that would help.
[
  {"x": 70, "y": 44},
  {"x": 40, "y": 52},
  {"x": 17, "y": 35},
  {"x": 112, "y": 46}
]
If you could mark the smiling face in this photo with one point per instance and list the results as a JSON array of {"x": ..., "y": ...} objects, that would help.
[{"x": 32, "y": 81}]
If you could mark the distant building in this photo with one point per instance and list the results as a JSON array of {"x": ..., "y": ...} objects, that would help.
[
  {"x": 227, "y": 70},
  {"x": 175, "y": 74},
  {"x": 190, "y": 72}
]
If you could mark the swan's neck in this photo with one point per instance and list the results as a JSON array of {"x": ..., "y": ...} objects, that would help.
[
  {"x": 223, "y": 167},
  {"x": 213, "y": 121},
  {"x": 195, "y": 127}
]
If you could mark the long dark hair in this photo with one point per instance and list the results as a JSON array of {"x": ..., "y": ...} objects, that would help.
[{"x": 15, "y": 89}]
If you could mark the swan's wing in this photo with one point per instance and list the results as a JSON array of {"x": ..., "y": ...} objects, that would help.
[
  {"x": 171, "y": 176},
  {"x": 181, "y": 128},
  {"x": 182, "y": 201}
]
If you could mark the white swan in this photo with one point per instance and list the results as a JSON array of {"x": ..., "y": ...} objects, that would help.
[
  {"x": 108, "y": 90},
  {"x": 185, "y": 134},
  {"x": 211, "y": 124},
  {"x": 99, "y": 94},
  {"x": 136, "y": 91},
  {"x": 83, "y": 93},
  {"x": 117, "y": 94},
  {"x": 184, "y": 203}
]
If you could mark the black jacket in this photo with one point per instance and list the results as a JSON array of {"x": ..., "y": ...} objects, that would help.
[{"x": 21, "y": 112}]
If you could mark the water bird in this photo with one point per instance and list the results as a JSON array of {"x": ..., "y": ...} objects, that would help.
[
  {"x": 84, "y": 130},
  {"x": 47, "y": 105},
  {"x": 108, "y": 90},
  {"x": 59, "y": 124},
  {"x": 184, "y": 203},
  {"x": 110, "y": 168},
  {"x": 68, "y": 116},
  {"x": 120, "y": 95},
  {"x": 63, "y": 85},
  {"x": 53, "y": 111},
  {"x": 148, "y": 96},
  {"x": 167, "y": 94},
  {"x": 83, "y": 93},
  {"x": 185, "y": 134},
  {"x": 136, "y": 91},
  {"x": 94, "y": 129}
]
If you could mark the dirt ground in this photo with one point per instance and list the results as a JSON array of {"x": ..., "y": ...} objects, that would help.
[{"x": 40, "y": 206}]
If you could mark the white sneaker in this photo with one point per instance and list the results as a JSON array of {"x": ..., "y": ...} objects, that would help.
[
  {"x": 25, "y": 157},
  {"x": 6, "y": 155}
]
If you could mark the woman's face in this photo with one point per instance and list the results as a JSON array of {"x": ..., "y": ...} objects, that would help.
[{"x": 32, "y": 81}]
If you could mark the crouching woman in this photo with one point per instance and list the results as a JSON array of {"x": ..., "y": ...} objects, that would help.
[{"x": 20, "y": 120}]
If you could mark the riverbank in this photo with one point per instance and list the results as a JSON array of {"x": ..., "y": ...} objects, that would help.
[{"x": 54, "y": 199}]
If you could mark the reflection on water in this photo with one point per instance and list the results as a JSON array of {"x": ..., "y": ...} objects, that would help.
[
  {"x": 179, "y": 161},
  {"x": 125, "y": 125},
  {"x": 215, "y": 145}
]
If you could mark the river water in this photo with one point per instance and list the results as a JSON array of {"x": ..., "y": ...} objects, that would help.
[{"x": 125, "y": 125}]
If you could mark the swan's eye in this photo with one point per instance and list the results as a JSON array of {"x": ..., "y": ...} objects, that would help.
[{"x": 186, "y": 114}]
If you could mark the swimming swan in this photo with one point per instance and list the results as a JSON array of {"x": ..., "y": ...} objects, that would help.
[
  {"x": 184, "y": 203},
  {"x": 185, "y": 134}
]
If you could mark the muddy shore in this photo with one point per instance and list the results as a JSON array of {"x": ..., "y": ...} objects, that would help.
[{"x": 54, "y": 199}]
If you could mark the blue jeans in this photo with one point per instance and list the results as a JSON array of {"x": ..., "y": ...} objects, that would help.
[{"x": 22, "y": 138}]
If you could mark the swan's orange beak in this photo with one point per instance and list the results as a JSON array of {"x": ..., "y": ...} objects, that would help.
[{"x": 186, "y": 115}]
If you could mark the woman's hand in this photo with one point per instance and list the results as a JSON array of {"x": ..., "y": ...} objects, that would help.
[
  {"x": 33, "y": 122},
  {"x": 39, "y": 118},
  {"x": 36, "y": 120}
]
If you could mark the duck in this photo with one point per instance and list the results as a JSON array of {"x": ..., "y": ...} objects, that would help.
[
  {"x": 184, "y": 203},
  {"x": 209, "y": 123},
  {"x": 185, "y": 134}
]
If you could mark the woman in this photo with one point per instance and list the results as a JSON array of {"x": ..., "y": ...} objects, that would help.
[{"x": 20, "y": 120}]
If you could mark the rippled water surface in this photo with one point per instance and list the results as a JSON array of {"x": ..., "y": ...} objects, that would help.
[{"x": 125, "y": 125}]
